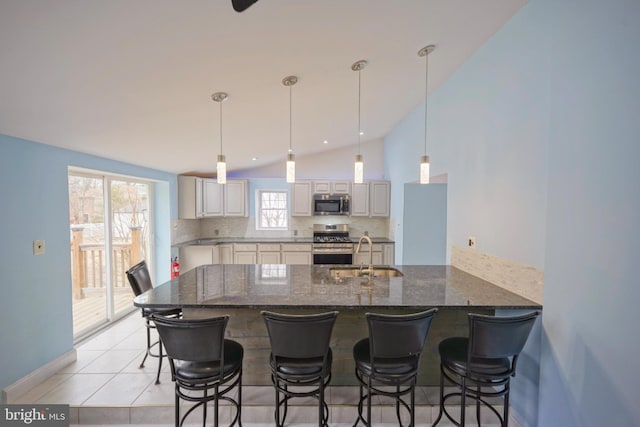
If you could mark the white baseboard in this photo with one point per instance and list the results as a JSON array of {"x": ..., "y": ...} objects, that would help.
[{"x": 29, "y": 381}]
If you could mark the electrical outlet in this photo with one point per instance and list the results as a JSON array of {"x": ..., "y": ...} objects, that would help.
[
  {"x": 472, "y": 242},
  {"x": 38, "y": 247},
  {"x": 295, "y": 232}
]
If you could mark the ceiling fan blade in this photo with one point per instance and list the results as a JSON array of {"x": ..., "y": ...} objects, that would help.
[{"x": 241, "y": 5}]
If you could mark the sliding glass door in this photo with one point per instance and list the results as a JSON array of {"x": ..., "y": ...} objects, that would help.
[{"x": 110, "y": 229}]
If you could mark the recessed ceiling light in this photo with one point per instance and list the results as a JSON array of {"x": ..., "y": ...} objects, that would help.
[
  {"x": 361, "y": 133},
  {"x": 254, "y": 158},
  {"x": 325, "y": 142}
]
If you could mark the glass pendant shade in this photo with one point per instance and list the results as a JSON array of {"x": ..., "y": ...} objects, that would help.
[
  {"x": 424, "y": 170},
  {"x": 358, "y": 171},
  {"x": 222, "y": 169},
  {"x": 291, "y": 168}
]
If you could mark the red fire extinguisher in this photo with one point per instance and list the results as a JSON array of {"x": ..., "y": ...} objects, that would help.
[{"x": 175, "y": 268}]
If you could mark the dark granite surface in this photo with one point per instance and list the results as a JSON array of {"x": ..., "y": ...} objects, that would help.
[{"x": 272, "y": 286}]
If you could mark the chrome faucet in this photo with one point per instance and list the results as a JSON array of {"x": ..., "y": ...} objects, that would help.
[{"x": 368, "y": 239}]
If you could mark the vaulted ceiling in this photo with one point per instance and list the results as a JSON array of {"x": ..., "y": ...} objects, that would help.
[{"x": 132, "y": 80}]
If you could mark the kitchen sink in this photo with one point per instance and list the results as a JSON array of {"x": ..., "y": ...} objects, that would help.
[{"x": 380, "y": 272}]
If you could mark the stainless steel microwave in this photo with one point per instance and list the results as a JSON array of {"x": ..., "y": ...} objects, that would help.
[{"x": 330, "y": 204}]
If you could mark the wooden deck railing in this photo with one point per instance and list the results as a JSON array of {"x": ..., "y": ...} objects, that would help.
[{"x": 88, "y": 262}]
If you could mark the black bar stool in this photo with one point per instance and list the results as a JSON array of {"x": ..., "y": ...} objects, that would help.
[
  {"x": 202, "y": 360},
  {"x": 482, "y": 365},
  {"x": 140, "y": 282},
  {"x": 390, "y": 359},
  {"x": 300, "y": 359}
]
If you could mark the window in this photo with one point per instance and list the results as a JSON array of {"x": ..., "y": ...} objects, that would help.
[{"x": 271, "y": 206}]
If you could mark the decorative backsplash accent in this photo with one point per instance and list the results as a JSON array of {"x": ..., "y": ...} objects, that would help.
[
  {"x": 184, "y": 230},
  {"x": 520, "y": 279}
]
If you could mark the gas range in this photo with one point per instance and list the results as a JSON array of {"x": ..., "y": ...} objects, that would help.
[{"x": 331, "y": 239}]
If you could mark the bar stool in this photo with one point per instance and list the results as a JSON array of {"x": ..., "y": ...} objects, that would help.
[
  {"x": 300, "y": 359},
  {"x": 140, "y": 282},
  {"x": 202, "y": 360},
  {"x": 482, "y": 365},
  {"x": 390, "y": 358}
]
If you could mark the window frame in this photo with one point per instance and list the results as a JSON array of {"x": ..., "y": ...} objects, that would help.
[{"x": 259, "y": 209}]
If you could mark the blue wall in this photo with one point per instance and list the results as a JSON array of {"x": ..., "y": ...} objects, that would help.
[
  {"x": 590, "y": 371},
  {"x": 540, "y": 137},
  {"x": 425, "y": 219},
  {"x": 35, "y": 308}
]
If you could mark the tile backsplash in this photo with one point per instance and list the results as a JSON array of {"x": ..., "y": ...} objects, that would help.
[{"x": 184, "y": 230}]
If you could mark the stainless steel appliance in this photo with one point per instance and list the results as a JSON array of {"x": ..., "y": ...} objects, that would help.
[
  {"x": 331, "y": 204},
  {"x": 331, "y": 244}
]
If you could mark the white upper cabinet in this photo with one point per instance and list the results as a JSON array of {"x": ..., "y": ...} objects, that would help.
[
  {"x": 360, "y": 199},
  {"x": 212, "y": 198},
  {"x": 189, "y": 197},
  {"x": 371, "y": 198},
  {"x": 331, "y": 187},
  {"x": 201, "y": 198},
  {"x": 236, "y": 198},
  {"x": 379, "y": 199},
  {"x": 301, "y": 198}
]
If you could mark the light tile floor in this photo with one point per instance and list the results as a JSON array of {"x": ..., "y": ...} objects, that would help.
[{"x": 105, "y": 386}]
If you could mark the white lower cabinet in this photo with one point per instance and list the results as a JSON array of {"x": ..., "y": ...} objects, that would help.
[
  {"x": 245, "y": 253},
  {"x": 383, "y": 254},
  {"x": 268, "y": 253},
  {"x": 225, "y": 254},
  {"x": 192, "y": 256},
  {"x": 297, "y": 253}
]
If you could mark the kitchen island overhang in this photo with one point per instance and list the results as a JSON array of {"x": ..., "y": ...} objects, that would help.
[{"x": 242, "y": 291}]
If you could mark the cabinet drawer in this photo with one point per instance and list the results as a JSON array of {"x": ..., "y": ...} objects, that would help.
[
  {"x": 269, "y": 247},
  {"x": 245, "y": 247},
  {"x": 296, "y": 247}
]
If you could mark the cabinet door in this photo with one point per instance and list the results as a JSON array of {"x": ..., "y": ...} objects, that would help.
[
  {"x": 193, "y": 256},
  {"x": 212, "y": 198},
  {"x": 268, "y": 257},
  {"x": 341, "y": 187},
  {"x": 245, "y": 258},
  {"x": 360, "y": 199},
  {"x": 388, "y": 254},
  {"x": 379, "y": 198},
  {"x": 225, "y": 252},
  {"x": 320, "y": 187},
  {"x": 362, "y": 258},
  {"x": 301, "y": 198},
  {"x": 300, "y": 258},
  {"x": 236, "y": 198},
  {"x": 189, "y": 197}
]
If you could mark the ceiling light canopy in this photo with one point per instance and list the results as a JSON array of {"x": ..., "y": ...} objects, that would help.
[{"x": 221, "y": 165}]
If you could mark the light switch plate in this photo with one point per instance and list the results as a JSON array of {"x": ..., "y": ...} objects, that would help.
[{"x": 38, "y": 247}]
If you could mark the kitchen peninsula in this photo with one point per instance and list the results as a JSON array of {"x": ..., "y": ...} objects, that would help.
[{"x": 243, "y": 290}]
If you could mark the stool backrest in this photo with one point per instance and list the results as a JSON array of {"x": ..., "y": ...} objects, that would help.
[
  {"x": 494, "y": 337},
  {"x": 398, "y": 336},
  {"x": 299, "y": 336},
  {"x": 139, "y": 278},
  {"x": 193, "y": 340}
]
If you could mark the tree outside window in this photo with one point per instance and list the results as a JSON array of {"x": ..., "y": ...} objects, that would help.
[{"x": 272, "y": 210}]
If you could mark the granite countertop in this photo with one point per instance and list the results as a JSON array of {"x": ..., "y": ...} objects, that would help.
[
  {"x": 212, "y": 241},
  {"x": 272, "y": 286}
]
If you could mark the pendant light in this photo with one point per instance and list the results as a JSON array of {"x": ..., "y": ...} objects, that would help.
[
  {"x": 358, "y": 170},
  {"x": 291, "y": 158},
  {"x": 424, "y": 159},
  {"x": 221, "y": 166}
]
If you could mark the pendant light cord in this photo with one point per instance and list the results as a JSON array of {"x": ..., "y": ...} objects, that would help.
[
  {"x": 359, "y": 130},
  {"x": 426, "y": 79},
  {"x": 290, "y": 117},
  {"x": 221, "y": 128}
]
